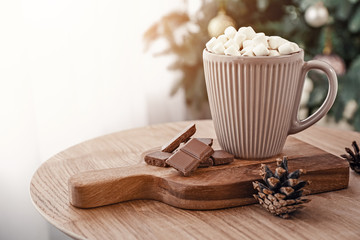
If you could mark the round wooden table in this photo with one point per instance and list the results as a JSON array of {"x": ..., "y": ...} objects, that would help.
[{"x": 332, "y": 215}]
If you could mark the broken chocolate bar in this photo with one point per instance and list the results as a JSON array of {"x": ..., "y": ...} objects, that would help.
[
  {"x": 222, "y": 157},
  {"x": 206, "y": 163},
  {"x": 157, "y": 158},
  {"x": 188, "y": 158},
  {"x": 197, "y": 149},
  {"x": 183, "y": 136},
  {"x": 183, "y": 162},
  {"x": 207, "y": 141}
]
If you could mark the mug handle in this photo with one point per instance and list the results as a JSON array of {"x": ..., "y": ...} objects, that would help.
[{"x": 298, "y": 125}]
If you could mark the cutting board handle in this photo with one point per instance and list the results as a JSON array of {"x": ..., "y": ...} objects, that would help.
[{"x": 108, "y": 186}]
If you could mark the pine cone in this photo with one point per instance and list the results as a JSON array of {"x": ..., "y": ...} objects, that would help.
[
  {"x": 282, "y": 193},
  {"x": 353, "y": 157}
]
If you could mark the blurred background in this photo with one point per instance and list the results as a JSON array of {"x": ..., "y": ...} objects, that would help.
[{"x": 74, "y": 70}]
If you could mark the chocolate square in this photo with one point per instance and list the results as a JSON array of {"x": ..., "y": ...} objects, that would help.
[
  {"x": 197, "y": 149},
  {"x": 221, "y": 157},
  {"x": 183, "y": 136},
  {"x": 183, "y": 162},
  {"x": 207, "y": 141},
  {"x": 157, "y": 158},
  {"x": 206, "y": 163}
]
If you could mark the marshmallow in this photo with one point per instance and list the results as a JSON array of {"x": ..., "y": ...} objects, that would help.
[
  {"x": 260, "y": 39},
  {"x": 248, "y": 31},
  {"x": 231, "y": 42},
  {"x": 297, "y": 48},
  {"x": 288, "y": 47},
  {"x": 211, "y": 43},
  {"x": 239, "y": 38},
  {"x": 222, "y": 38},
  {"x": 230, "y": 32},
  {"x": 260, "y": 50},
  {"x": 244, "y": 50},
  {"x": 219, "y": 48},
  {"x": 248, "y": 43},
  {"x": 242, "y": 30},
  {"x": 275, "y": 42},
  {"x": 274, "y": 53},
  {"x": 249, "y": 53},
  {"x": 232, "y": 50}
]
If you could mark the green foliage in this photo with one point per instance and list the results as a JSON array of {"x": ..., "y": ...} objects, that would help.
[
  {"x": 354, "y": 23},
  {"x": 274, "y": 17}
]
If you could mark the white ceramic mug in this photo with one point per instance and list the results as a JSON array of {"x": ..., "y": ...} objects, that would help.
[{"x": 254, "y": 101}]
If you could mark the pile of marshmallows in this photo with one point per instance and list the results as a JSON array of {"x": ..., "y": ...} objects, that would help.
[{"x": 246, "y": 42}]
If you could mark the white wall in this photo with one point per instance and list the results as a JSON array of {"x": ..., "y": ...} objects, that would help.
[{"x": 69, "y": 71}]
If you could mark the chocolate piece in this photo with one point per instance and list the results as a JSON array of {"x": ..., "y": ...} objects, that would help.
[
  {"x": 197, "y": 149},
  {"x": 183, "y": 136},
  {"x": 222, "y": 157},
  {"x": 183, "y": 162},
  {"x": 188, "y": 158},
  {"x": 206, "y": 163},
  {"x": 157, "y": 158},
  {"x": 207, "y": 141}
]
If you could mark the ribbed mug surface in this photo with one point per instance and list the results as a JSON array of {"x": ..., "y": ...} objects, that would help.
[{"x": 252, "y": 100}]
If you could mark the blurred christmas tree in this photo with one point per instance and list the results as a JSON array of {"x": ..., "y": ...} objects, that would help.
[{"x": 328, "y": 30}]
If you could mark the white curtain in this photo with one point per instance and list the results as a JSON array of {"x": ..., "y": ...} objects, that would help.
[{"x": 71, "y": 71}]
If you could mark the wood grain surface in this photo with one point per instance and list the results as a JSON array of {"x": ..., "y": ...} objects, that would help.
[{"x": 332, "y": 215}]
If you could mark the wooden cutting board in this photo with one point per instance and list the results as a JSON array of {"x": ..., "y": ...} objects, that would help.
[{"x": 207, "y": 188}]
